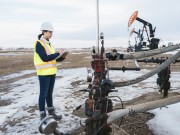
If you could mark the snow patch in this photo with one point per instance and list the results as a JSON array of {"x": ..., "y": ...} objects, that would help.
[
  {"x": 25, "y": 92},
  {"x": 166, "y": 120},
  {"x": 7, "y": 77}
]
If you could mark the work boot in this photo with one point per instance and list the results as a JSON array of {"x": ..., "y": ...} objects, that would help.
[
  {"x": 51, "y": 111},
  {"x": 42, "y": 115}
]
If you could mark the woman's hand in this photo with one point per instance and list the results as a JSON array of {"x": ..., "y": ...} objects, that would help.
[{"x": 63, "y": 53}]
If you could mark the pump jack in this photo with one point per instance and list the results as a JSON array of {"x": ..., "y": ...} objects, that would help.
[{"x": 153, "y": 42}]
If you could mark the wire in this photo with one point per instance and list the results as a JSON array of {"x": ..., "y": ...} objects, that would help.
[
  {"x": 121, "y": 121},
  {"x": 119, "y": 99}
]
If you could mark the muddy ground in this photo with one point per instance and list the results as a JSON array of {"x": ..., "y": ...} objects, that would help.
[{"x": 131, "y": 125}]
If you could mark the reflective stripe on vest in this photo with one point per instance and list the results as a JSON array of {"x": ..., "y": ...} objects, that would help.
[{"x": 45, "y": 66}]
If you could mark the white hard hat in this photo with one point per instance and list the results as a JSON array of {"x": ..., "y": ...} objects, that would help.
[{"x": 46, "y": 26}]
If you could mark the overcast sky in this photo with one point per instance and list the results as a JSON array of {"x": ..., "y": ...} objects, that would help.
[{"x": 75, "y": 21}]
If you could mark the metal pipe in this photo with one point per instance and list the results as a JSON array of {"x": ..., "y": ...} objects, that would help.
[
  {"x": 153, "y": 72},
  {"x": 97, "y": 35},
  {"x": 139, "y": 55},
  {"x": 155, "y": 60},
  {"x": 142, "y": 108},
  {"x": 124, "y": 68}
]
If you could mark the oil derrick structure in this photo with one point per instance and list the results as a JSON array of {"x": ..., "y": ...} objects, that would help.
[{"x": 153, "y": 42}]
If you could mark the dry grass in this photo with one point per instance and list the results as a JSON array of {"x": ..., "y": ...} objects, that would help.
[{"x": 16, "y": 63}]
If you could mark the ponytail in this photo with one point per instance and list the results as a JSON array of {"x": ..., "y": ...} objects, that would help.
[{"x": 39, "y": 36}]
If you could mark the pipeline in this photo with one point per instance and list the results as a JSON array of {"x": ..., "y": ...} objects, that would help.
[
  {"x": 124, "y": 68},
  {"x": 153, "y": 72},
  {"x": 143, "y": 54},
  {"x": 155, "y": 60},
  {"x": 142, "y": 108}
]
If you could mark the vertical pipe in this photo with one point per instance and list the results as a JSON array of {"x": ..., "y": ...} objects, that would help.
[{"x": 97, "y": 35}]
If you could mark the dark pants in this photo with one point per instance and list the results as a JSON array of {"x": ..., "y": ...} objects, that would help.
[{"x": 46, "y": 91}]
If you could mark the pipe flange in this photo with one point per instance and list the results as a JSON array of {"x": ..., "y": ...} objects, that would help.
[{"x": 48, "y": 125}]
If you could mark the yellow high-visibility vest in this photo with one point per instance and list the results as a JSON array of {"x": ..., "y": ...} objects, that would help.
[{"x": 44, "y": 68}]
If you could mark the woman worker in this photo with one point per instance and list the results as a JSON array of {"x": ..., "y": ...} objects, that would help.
[{"x": 45, "y": 58}]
